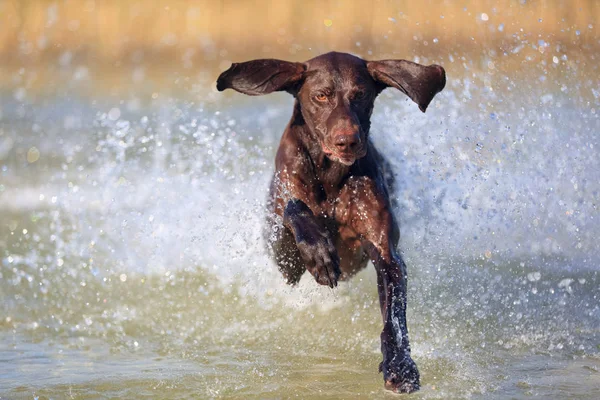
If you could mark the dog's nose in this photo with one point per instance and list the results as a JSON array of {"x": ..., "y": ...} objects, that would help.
[{"x": 346, "y": 141}]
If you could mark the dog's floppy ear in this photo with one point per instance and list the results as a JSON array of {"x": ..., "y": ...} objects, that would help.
[
  {"x": 261, "y": 76},
  {"x": 419, "y": 82}
]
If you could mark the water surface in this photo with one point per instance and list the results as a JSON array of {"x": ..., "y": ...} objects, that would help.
[{"x": 132, "y": 263}]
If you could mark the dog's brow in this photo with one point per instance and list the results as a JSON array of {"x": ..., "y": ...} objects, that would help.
[{"x": 321, "y": 82}]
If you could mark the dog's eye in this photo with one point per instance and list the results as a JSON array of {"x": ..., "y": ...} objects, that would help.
[{"x": 321, "y": 97}]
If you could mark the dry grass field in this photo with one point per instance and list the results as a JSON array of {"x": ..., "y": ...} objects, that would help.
[{"x": 191, "y": 32}]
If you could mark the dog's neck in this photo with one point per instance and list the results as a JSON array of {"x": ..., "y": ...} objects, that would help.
[{"x": 331, "y": 174}]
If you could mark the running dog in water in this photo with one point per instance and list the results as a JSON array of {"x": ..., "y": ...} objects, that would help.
[{"x": 329, "y": 207}]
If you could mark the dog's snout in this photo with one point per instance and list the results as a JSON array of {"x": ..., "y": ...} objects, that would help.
[{"x": 346, "y": 141}]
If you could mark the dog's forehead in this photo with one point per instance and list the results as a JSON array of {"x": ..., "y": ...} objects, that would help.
[{"x": 337, "y": 67}]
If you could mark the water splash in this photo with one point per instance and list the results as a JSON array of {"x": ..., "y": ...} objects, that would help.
[{"x": 136, "y": 228}]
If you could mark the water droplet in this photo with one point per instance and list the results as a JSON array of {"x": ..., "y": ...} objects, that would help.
[
  {"x": 565, "y": 283},
  {"x": 114, "y": 114},
  {"x": 534, "y": 276},
  {"x": 33, "y": 154}
]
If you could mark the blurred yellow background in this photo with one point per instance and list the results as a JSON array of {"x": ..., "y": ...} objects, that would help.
[
  {"x": 111, "y": 30},
  {"x": 200, "y": 38}
]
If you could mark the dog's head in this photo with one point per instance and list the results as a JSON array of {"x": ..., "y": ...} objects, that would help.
[{"x": 336, "y": 93}]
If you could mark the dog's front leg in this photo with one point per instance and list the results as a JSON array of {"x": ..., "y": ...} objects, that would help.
[
  {"x": 314, "y": 243},
  {"x": 364, "y": 206},
  {"x": 400, "y": 373}
]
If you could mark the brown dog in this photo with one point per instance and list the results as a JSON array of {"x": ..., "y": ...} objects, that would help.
[{"x": 329, "y": 208}]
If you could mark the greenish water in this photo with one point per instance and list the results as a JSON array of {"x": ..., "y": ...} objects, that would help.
[
  {"x": 132, "y": 263},
  {"x": 483, "y": 332}
]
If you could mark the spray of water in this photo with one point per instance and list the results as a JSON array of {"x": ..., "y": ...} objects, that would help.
[{"x": 139, "y": 226}]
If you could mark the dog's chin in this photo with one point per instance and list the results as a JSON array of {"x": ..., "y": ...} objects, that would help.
[
  {"x": 343, "y": 160},
  {"x": 346, "y": 160}
]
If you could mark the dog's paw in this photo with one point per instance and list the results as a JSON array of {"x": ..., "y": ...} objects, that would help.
[
  {"x": 321, "y": 259},
  {"x": 400, "y": 375}
]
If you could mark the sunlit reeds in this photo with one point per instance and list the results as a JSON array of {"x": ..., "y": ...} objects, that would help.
[{"x": 189, "y": 31}]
